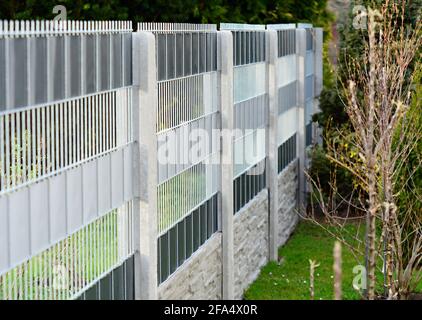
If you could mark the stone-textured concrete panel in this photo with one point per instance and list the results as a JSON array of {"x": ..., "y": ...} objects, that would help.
[
  {"x": 287, "y": 191},
  {"x": 198, "y": 278},
  {"x": 250, "y": 242}
]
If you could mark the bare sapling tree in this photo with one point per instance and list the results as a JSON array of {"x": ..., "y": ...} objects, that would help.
[{"x": 382, "y": 134}]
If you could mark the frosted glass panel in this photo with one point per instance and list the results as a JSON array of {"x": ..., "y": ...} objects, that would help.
[
  {"x": 249, "y": 81},
  {"x": 286, "y": 67}
]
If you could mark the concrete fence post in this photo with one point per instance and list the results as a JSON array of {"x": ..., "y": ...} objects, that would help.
[
  {"x": 318, "y": 61},
  {"x": 145, "y": 164},
  {"x": 225, "y": 39},
  {"x": 271, "y": 142},
  {"x": 300, "y": 56},
  {"x": 318, "y": 72}
]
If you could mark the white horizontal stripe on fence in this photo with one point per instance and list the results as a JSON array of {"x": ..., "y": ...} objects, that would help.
[{"x": 43, "y": 213}]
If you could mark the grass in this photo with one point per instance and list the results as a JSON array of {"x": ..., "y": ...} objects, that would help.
[{"x": 290, "y": 280}]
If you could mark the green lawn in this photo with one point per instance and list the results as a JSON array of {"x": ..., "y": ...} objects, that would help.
[{"x": 290, "y": 280}]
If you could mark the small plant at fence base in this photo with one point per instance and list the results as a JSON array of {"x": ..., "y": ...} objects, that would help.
[{"x": 312, "y": 266}]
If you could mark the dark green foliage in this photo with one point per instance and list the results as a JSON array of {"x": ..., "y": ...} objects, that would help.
[
  {"x": 409, "y": 186},
  {"x": 335, "y": 183},
  {"x": 332, "y": 109},
  {"x": 210, "y": 11}
]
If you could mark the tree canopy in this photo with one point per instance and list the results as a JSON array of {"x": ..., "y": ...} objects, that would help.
[{"x": 194, "y": 11}]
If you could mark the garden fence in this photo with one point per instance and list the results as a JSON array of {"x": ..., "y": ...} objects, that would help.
[{"x": 112, "y": 146}]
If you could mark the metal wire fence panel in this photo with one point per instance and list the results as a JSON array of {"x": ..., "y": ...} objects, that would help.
[
  {"x": 287, "y": 82},
  {"x": 287, "y": 97},
  {"x": 38, "y": 215},
  {"x": 46, "y": 61},
  {"x": 249, "y": 81},
  {"x": 309, "y": 110},
  {"x": 286, "y": 42},
  {"x": 187, "y": 133},
  {"x": 115, "y": 285},
  {"x": 250, "y": 109},
  {"x": 181, "y": 194},
  {"x": 287, "y": 152},
  {"x": 248, "y": 184},
  {"x": 184, "y": 54},
  {"x": 66, "y": 269},
  {"x": 162, "y": 27},
  {"x": 286, "y": 69},
  {"x": 48, "y": 139},
  {"x": 64, "y": 147},
  {"x": 309, "y": 79},
  {"x": 248, "y": 47},
  {"x": 310, "y": 39},
  {"x": 251, "y": 118},
  {"x": 183, "y": 239},
  {"x": 287, "y": 125},
  {"x": 188, "y": 145},
  {"x": 309, "y": 63},
  {"x": 65, "y": 152},
  {"x": 176, "y": 107},
  {"x": 251, "y": 113},
  {"x": 308, "y": 133}
]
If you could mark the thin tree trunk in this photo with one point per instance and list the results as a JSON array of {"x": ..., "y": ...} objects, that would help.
[
  {"x": 371, "y": 248},
  {"x": 370, "y": 158}
]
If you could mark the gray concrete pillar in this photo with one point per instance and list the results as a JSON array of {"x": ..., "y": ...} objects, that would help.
[
  {"x": 225, "y": 39},
  {"x": 318, "y": 72},
  {"x": 144, "y": 101},
  {"x": 318, "y": 61},
  {"x": 271, "y": 142},
  {"x": 301, "y": 55}
]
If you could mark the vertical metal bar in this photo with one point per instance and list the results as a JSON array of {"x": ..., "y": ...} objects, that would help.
[
  {"x": 9, "y": 74},
  {"x": 78, "y": 133},
  {"x": 100, "y": 124},
  {"x": 3, "y": 166},
  {"x": 13, "y": 142}
]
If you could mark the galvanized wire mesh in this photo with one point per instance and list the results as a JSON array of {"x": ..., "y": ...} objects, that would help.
[
  {"x": 65, "y": 154},
  {"x": 66, "y": 269},
  {"x": 250, "y": 110},
  {"x": 187, "y": 127}
]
